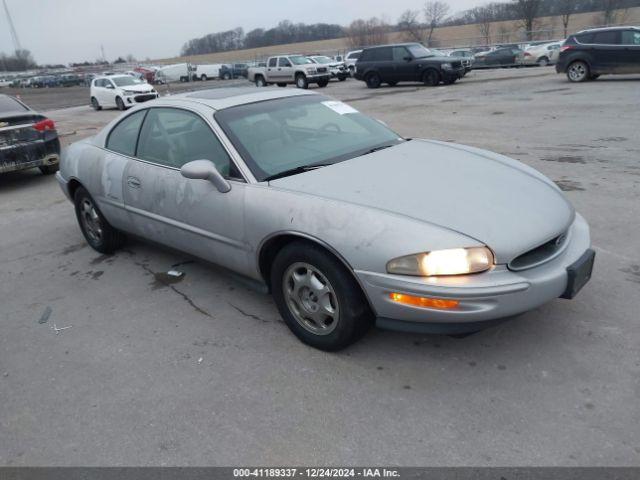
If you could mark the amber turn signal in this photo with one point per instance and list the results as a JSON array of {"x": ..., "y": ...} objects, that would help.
[{"x": 424, "y": 302}]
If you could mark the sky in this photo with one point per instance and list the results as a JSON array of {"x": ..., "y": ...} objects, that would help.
[{"x": 63, "y": 31}]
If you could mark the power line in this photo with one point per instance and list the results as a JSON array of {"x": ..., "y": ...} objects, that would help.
[{"x": 14, "y": 34}]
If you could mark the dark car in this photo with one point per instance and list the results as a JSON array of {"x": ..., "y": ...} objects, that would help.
[
  {"x": 70, "y": 80},
  {"x": 407, "y": 62},
  {"x": 501, "y": 57},
  {"x": 591, "y": 53},
  {"x": 236, "y": 70},
  {"x": 27, "y": 138}
]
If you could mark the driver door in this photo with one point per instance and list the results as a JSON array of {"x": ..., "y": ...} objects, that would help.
[{"x": 189, "y": 215}]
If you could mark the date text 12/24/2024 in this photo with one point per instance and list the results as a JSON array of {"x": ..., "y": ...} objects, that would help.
[{"x": 315, "y": 473}]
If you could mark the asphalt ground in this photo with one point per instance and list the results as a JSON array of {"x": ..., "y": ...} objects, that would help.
[{"x": 204, "y": 372}]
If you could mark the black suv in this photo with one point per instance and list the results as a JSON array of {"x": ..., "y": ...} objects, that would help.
[
  {"x": 591, "y": 53},
  {"x": 406, "y": 62}
]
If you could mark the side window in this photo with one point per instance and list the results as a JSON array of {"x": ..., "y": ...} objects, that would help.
[
  {"x": 284, "y": 62},
  {"x": 272, "y": 62},
  {"x": 585, "y": 38},
  {"x": 631, "y": 37},
  {"x": 399, "y": 54},
  {"x": 124, "y": 135},
  {"x": 173, "y": 137},
  {"x": 606, "y": 38}
]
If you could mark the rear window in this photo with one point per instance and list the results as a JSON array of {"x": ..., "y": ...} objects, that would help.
[
  {"x": 8, "y": 104},
  {"x": 606, "y": 38},
  {"x": 585, "y": 38},
  {"x": 377, "y": 55}
]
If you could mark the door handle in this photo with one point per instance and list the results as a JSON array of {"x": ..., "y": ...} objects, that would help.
[{"x": 133, "y": 182}]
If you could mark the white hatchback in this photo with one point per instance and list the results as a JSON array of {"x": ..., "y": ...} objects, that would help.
[{"x": 120, "y": 91}]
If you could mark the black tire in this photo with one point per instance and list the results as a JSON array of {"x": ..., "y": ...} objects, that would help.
[
  {"x": 49, "y": 169},
  {"x": 373, "y": 80},
  {"x": 260, "y": 81},
  {"x": 94, "y": 103},
  {"x": 302, "y": 82},
  {"x": 393, "y": 83},
  {"x": 108, "y": 239},
  {"x": 543, "y": 62},
  {"x": 450, "y": 81},
  {"x": 226, "y": 76},
  {"x": 578, "y": 72},
  {"x": 353, "y": 312},
  {"x": 431, "y": 78},
  {"x": 120, "y": 104},
  {"x": 282, "y": 85},
  {"x": 323, "y": 83}
]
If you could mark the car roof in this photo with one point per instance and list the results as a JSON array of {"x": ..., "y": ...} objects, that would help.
[
  {"x": 607, "y": 29},
  {"x": 407, "y": 44},
  {"x": 227, "y": 97}
]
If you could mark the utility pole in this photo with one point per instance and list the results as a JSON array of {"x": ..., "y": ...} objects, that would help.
[{"x": 14, "y": 34}]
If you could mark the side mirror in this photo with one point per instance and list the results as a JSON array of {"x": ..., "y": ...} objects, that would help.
[
  {"x": 205, "y": 170},
  {"x": 408, "y": 58}
]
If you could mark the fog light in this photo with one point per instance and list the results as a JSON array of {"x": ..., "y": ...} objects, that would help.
[{"x": 424, "y": 302}]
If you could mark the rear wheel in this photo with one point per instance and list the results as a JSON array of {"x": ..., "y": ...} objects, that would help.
[
  {"x": 431, "y": 78},
  {"x": 260, "y": 82},
  {"x": 96, "y": 230},
  {"x": 373, "y": 80},
  {"x": 318, "y": 297},
  {"x": 543, "y": 62},
  {"x": 120, "y": 103},
  {"x": 226, "y": 76},
  {"x": 94, "y": 103},
  {"x": 302, "y": 82},
  {"x": 203, "y": 78},
  {"x": 578, "y": 72}
]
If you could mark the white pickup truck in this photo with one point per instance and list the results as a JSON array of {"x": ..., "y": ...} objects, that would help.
[{"x": 284, "y": 70}]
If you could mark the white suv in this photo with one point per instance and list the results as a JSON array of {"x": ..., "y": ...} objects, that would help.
[{"x": 120, "y": 91}]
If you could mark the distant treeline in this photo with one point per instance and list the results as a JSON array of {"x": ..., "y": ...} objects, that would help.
[{"x": 284, "y": 32}]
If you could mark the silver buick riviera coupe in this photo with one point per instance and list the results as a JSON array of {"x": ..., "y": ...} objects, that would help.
[{"x": 344, "y": 221}]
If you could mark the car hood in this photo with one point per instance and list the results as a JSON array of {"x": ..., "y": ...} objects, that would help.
[{"x": 493, "y": 199}]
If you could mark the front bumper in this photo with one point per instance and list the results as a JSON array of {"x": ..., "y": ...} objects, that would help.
[
  {"x": 38, "y": 153},
  {"x": 483, "y": 298},
  {"x": 318, "y": 77},
  {"x": 140, "y": 98}
]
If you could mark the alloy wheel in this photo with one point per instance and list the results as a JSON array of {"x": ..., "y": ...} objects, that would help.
[
  {"x": 91, "y": 221},
  {"x": 310, "y": 298},
  {"x": 577, "y": 71}
]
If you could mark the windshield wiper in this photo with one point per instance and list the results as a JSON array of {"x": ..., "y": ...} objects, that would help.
[
  {"x": 295, "y": 171},
  {"x": 377, "y": 149}
]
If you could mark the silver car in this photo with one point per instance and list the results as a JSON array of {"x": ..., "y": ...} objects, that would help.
[{"x": 347, "y": 223}]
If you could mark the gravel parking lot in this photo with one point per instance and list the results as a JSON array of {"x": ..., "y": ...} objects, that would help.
[{"x": 204, "y": 372}]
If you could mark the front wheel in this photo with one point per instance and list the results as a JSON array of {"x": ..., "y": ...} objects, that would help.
[
  {"x": 323, "y": 83},
  {"x": 101, "y": 236},
  {"x": 203, "y": 78},
  {"x": 226, "y": 76},
  {"x": 578, "y": 72},
  {"x": 302, "y": 82},
  {"x": 431, "y": 78},
  {"x": 543, "y": 62},
  {"x": 318, "y": 297},
  {"x": 120, "y": 103}
]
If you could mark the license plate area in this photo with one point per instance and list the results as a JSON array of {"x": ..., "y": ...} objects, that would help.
[{"x": 579, "y": 274}]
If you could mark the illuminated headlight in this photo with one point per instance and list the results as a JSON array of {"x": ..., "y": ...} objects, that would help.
[
  {"x": 446, "y": 66},
  {"x": 457, "y": 261}
]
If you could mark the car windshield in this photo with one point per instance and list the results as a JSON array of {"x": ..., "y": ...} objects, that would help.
[
  {"x": 418, "y": 51},
  {"x": 126, "y": 81},
  {"x": 296, "y": 132},
  {"x": 8, "y": 104},
  {"x": 300, "y": 60},
  {"x": 323, "y": 60}
]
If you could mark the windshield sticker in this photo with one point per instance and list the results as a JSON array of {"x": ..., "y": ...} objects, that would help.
[{"x": 339, "y": 107}]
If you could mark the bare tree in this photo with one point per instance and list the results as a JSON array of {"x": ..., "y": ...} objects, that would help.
[
  {"x": 484, "y": 17},
  {"x": 566, "y": 8},
  {"x": 361, "y": 33},
  {"x": 527, "y": 11},
  {"x": 435, "y": 13},
  {"x": 410, "y": 26},
  {"x": 610, "y": 11}
]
